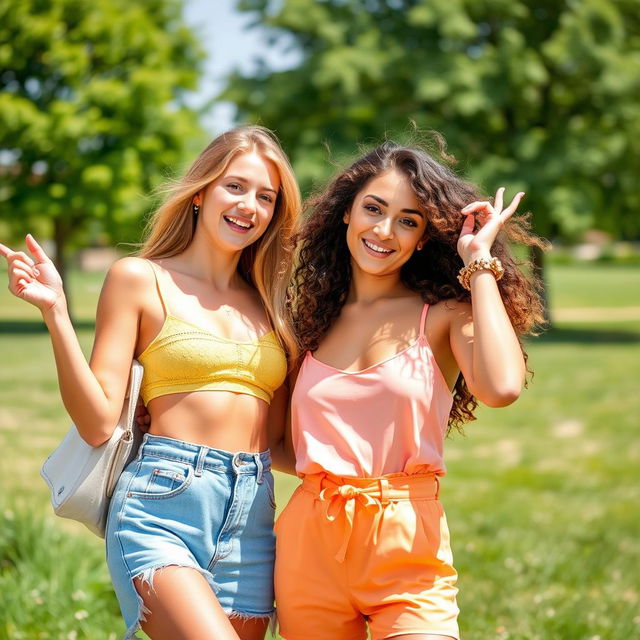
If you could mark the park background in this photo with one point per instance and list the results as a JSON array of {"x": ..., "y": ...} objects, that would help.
[{"x": 103, "y": 100}]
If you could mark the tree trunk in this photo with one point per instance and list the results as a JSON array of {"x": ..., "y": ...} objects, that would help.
[
  {"x": 60, "y": 237},
  {"x": 538, "y": 262}
]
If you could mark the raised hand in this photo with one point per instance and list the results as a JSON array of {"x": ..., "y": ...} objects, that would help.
[
  {"x": 476, "y": 243},
  {"x": 34, "y": 279}
]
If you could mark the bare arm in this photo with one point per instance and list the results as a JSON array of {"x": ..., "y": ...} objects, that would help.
[
  {"x": 486, "y": 348},
  {"x": 279, "y": 429},
  {"x": 483, "y": 340},
  {"x": 92, "y": 394}
]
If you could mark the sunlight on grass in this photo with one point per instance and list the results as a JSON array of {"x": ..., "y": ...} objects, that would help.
[{"x": 594, "y": 285}]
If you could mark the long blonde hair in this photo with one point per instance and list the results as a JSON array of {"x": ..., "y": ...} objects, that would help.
[{"x": 266, "y": 264}]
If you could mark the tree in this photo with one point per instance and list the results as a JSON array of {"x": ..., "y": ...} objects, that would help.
[
  {"x": 539, "y": 95},
  {"x": 92, "y": 113}
]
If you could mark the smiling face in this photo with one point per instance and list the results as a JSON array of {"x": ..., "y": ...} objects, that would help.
[
  {"x": 237, "y": 207},
  {"x": 385, "y": 224}
]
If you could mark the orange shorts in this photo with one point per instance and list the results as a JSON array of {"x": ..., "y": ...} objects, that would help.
[{"x": 358, "y": 551}]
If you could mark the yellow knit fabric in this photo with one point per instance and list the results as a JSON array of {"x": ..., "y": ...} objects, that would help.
[{"x": 184, "y": 357}]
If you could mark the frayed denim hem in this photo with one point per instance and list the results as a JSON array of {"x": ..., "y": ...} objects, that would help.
[
  {"x": 237, "y": 615},
  {"x": 146, "y": 577},
  {"x": 242, "y": 615}
]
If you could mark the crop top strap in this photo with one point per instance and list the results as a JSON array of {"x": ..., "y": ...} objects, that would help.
[
  {"x": 158, "y": 287},
  {"x": 423, "y": 317}
]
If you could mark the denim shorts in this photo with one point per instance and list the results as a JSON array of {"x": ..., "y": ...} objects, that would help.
[{"x": 187, "y": 505}]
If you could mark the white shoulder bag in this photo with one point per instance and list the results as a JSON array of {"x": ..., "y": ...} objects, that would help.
[{"x": 82, "y": 478}]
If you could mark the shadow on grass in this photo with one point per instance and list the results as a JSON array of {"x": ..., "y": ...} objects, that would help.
[
  {"x": 588, "y": 335},
  {"x": 22, "y": 327}
]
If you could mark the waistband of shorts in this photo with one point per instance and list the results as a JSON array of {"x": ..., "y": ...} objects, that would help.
[
  {"x": 399, "y": 486},
  {"x": 204, "y": 457}
]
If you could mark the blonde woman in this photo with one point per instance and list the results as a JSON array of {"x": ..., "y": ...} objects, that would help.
[{"x": 190, "y": 543}]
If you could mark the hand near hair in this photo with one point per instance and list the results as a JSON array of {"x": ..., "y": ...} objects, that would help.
[
  {"x": 36, "y": 281},
  {"x": 476, "y": 243}
]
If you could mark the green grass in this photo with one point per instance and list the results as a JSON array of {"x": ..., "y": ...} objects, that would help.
[
  {"x": 53, "y": 585},
  {"x": 541, "y": 496},
  {"x": 542, "y": 501},
  {"x": 594, "y": 285}
]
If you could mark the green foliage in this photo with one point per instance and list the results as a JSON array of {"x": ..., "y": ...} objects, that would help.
[
  {"x": 92, "y": 112},
  {"x": 538, "y": 95}
]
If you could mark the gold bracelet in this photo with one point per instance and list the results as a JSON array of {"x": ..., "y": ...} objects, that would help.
[{"x": 492, "y": 264}]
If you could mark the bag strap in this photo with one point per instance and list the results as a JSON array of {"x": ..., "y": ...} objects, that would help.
[{"x": 135, "y": 381}]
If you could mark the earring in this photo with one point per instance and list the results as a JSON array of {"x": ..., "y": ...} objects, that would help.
[
  {"x": 196, "y": 210},
  {"x": 419, "y": 246}
]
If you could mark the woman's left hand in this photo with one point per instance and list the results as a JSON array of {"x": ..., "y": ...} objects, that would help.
[{"x": 474, "y": 244}]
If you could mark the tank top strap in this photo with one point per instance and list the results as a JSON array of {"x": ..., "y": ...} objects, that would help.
[
  {"x": 423, "y": 317},
  {"x": 158, "y": 287}
]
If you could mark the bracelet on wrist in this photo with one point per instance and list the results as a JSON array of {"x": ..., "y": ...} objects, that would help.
[{"x": 491, "y": 264}]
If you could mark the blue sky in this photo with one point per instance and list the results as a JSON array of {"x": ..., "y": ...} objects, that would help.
[{"x": 229, "y": 45}]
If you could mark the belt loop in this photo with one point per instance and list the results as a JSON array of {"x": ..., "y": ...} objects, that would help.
[
  {"x": 384, "y": 491},
  {"x": 259, "y": 474},
  {"x": 437, "y": 487},
  {"x": 202, "y": 454}
]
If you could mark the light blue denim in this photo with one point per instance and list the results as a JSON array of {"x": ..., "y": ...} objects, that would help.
[{"x": 188, "y": 505}]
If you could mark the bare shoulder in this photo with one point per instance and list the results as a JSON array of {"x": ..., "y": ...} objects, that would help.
[
  {"x": 127, "y": 283},
  {"x": 130, "y": 273},
  {"x": 451, "y": 311}
]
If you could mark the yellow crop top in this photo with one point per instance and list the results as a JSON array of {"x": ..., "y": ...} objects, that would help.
[{"x": 184, "y": 357}]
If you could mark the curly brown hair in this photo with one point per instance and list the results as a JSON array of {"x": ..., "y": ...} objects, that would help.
[{"x": 323, "y": 271}]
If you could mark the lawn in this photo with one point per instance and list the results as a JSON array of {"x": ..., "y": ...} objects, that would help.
[{"x": 541, "y": 497}]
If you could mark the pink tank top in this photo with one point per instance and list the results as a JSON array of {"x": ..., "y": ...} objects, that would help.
[{"x": 389, "y": 418}]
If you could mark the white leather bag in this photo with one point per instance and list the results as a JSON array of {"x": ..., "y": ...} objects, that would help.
[{"x": 82, "y": 478}]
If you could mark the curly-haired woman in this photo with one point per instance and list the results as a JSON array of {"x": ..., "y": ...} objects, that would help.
[{"x": 408, "y": 308}]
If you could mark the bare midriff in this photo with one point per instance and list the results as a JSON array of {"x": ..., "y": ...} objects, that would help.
[{"x": 216, "y": 419}]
